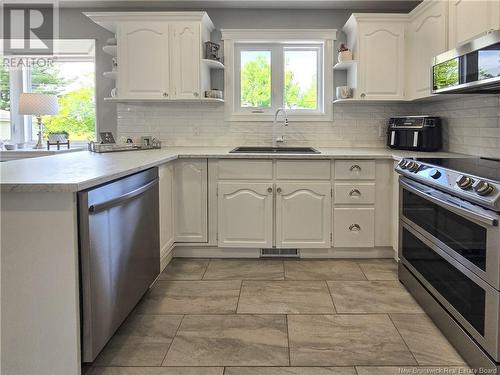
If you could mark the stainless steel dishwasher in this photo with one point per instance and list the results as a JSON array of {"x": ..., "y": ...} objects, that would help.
[{"x": 119, "y": 253}]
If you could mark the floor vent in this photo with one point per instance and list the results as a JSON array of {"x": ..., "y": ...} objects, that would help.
[{"x": 279, "y": 253}]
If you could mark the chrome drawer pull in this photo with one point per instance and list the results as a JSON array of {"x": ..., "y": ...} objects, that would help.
[
  {"x": 355, "y": 167},
  {"x": 354, "y": 228},
  {"x": 269, "y": 190},
  {"x": 354, "y": 193}
]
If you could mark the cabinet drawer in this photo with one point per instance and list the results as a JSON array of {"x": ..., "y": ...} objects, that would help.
[
  {"x": 355, "y": 169},
  {"x": 303, "y": 169},
  {"x": 354, "y": 227},
  {"x": 245, "y": 169},
  {"x": 348, "y": 193}
]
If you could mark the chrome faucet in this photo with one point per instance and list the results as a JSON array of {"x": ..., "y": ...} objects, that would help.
[{"x": 281, "y": 138}]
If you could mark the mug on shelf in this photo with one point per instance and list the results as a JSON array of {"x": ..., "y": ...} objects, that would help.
[{"x": 344, "y": 92}]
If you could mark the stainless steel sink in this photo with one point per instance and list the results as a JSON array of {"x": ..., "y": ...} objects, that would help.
[{"x": 274, "y": 150}]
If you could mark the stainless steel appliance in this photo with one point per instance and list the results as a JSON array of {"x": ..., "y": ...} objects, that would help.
[
  {"x": 450, "y": 249},
  {"x": 418, "y": 133},
  {"x": 119, "y": 253},
  {"x": 469, "y": 69}
]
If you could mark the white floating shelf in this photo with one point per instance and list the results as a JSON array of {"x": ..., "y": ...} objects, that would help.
[
  {"x": 110, "y": 50},
  {"x": 345, "y": 65},
  {"x": 213, "y": 64},
  {"x": 150, "y": 100},
  {"x": 110, "y": 75}
]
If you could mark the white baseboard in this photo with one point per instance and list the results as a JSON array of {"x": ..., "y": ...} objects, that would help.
[
  {"x": 333, "y": 253},
  {"x": 166, "y": 256}
]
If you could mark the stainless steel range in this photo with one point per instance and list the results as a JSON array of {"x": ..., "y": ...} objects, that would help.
[{"x": 449, "y": 247}]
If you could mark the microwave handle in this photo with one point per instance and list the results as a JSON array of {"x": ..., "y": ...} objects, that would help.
[{"x": 479, "y": 216}]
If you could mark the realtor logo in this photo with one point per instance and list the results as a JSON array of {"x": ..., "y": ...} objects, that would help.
[{"x": 29, "y": 26}]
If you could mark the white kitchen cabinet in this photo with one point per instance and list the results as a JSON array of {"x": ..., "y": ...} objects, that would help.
[
  {"x": 427, "y": 37},
  {"x": 354, "y": 169},
  {"x": 143, "y": 55},
  {"x": 470, "y": 19},
  {"x": 185, "y": 59},
  {"x": 166, "y": 191},
  {"x": 190, "y": 189},
  {"x": 354, "y": 227},
  {"x": 378, "y": 43},
  {"x": 245, "y": 214},
  {"x": 303, "y": 215}
]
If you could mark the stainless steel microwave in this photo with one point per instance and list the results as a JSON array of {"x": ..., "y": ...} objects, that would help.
[{"x": 472, "y": 68}]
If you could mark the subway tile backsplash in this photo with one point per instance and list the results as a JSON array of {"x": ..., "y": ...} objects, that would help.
[{"x": 471, "y": 125}]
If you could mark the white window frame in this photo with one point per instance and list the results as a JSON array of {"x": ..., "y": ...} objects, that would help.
[{"x": 278, "y": 40}]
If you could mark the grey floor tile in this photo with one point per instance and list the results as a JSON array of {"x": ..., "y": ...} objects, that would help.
[
  {"x": 379, "y": 269},
  {"x": 372, "y": 297},
  {"x": 426, "y": 341},
  {"x": 191, "y": 297},
  {"x": 158, "y": 371},
  {"x": 325, "y": 269},
  {"x": 230, "y": 340},
  {"x": 401, "y": 370},
  {"x": 290, "y": 371},
  {"x": 184, "y": 269},
  {"x": 143, "y": 340},
  {"x": 244, "y": 269},
  {"x": 346, "y": 340},
  {"x": 285, "y": 297}
]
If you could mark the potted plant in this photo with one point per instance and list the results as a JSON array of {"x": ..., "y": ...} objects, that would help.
[{"x": 344, "y": 53}]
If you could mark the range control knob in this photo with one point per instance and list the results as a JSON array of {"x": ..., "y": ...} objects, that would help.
[
  {"x": 412, "y": 166},
  {"x": 464, "y": 182},
  {"x": 483, "y": 188},
  {"x": 435, "y": 174},
  {"x": 403, "y": 164}
]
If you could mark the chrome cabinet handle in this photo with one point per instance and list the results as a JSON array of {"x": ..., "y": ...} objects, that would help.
[
  {"x": 354, "y": 192},
  {"x": 278, "y": 190},
  {"x": 269, "y": 190},
  {"x": 354, "y": 228},
  {"x": 195, "y": 94},
  {"x": 355, "y": 167},
  {"x": 165, "y": 94}
]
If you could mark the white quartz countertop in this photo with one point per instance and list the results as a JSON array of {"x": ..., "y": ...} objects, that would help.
[{"x": 75, "y": 171}]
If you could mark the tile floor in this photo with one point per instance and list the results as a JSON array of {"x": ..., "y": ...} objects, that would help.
[{"x": 275, "y": 317}]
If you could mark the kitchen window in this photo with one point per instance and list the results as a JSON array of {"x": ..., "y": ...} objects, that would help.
[
  {"x": 69, "y": 74},
  {"x": 271, "y": 69}
]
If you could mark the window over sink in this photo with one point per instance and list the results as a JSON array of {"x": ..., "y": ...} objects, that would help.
[{"x": 271, "y": 69}]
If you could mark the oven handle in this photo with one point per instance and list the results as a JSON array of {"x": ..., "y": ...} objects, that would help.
[{"x": 481, "y": 217}]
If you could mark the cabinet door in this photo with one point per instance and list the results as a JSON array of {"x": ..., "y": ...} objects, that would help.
[
  {"x": 185, "y": 55},
  {"x": 427, "y": 37},
  {"x": 143, "y": 60},
  {"x": 166, "y": 177},
  {"x": 191, "y": 220},
  {"x": 381, "y": 50},
  {"x": 472, "y": 18},
  {"x": 303, "y": 215},
  {"x": 245, "y": 214}
]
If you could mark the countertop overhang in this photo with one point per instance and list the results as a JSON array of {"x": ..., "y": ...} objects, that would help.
[{"x": 76, "y": 171}]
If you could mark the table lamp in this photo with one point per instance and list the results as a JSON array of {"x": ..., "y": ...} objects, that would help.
[{"x": 38, "y": 105}]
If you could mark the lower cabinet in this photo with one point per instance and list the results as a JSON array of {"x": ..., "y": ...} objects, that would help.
[
  {"x": 354, "y": 227},
  {"x": 245, "y": 214},
  {"x": 191, "y": 192},
  {"x": 166, "y": 188},
  {"x": 303, "y": 215}
]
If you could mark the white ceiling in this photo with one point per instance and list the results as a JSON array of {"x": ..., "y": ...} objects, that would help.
[{"x": 362, "y": 5}]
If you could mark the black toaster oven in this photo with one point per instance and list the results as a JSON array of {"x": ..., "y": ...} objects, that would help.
[{"x": 417, "y": 133}]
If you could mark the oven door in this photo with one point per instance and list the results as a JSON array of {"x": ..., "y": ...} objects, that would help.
[
  {"x": 472, "y": 302},
  {"x": 466, "y": 232}
]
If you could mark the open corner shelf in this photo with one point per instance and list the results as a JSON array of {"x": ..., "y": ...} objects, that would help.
[
  {"x": 110, "y": 75},
  {"x": 345, "y": 65},
  {"x": 213, "y": 64}
]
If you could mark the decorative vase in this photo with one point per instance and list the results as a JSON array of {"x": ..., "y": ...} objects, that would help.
[{"x": 345, "y": 56}]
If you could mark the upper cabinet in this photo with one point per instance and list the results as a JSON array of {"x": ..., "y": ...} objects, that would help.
[
  {"x": 427, "y": 36},
  {"x": 378, "y": 43},
  {"x": 470, "y": 19},
  {"x": 159, "y": 54}
]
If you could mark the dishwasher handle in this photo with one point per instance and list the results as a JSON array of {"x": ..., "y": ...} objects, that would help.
[{"x": 99, "y": 207}]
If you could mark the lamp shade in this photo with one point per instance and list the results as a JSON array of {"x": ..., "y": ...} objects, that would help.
[{"x": 38, "y": 104}]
